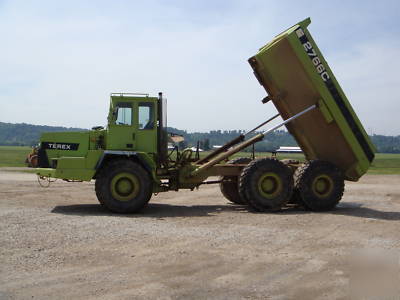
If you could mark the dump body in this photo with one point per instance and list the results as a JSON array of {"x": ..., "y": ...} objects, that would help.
[{"x": 295, "y": 75}]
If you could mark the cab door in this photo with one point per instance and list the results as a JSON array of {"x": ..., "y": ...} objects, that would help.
[
  {"x": 146, "y": 134},
  {"x": 122, "y": 128}
]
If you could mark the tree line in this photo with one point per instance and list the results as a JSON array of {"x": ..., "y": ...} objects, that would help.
[
  {"x": 23, "y": 134},
  {"x": 219, "y": 137},
  {"x": 383, "y": 143},
  {"x": 28, "y": 135}
]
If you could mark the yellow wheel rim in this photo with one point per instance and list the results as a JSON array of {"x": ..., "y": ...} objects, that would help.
[
  {"x": 269, "y": 185},
  {"x": 322, "y": 185},
  {"x": 124, "y": 186}
]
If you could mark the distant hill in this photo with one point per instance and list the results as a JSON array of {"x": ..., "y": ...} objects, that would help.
[{"x": 28, "y": 135}]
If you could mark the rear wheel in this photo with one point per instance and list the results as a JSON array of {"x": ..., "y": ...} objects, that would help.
[
  {"x": 267, "y": 184},
  {"x": 123, "y": 186},
  {"x": 229, "y": 184},
  {"x": 320, "y": 185}
]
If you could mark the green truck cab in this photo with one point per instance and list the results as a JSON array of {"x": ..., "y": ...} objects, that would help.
[{"x": 136, "y": 128}]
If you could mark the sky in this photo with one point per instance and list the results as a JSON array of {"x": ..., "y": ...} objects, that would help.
[{"x": 60, "y": 60}]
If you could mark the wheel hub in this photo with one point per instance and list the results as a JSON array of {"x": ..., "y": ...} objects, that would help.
[
  {"x": 269, "y": 185},
  {"x": 125, "y": 186},
  {"x": 322, "y": 185}
]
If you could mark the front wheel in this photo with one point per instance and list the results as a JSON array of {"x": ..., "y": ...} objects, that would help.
[{"x": 123, "y": 186}]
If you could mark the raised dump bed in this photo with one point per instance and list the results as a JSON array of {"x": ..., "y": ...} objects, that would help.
[{"x": 295, "y": 75}]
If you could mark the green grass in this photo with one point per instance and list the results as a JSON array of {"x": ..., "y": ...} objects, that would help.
[
  {"x": 13, "y": 156},
  {"x": 384, "y": 163}
]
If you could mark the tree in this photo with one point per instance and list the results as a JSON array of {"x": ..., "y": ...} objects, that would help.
[{"x": 206, "y": 144}]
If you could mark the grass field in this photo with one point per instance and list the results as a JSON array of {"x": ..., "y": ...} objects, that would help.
[
  {"x": 13, "y": 156},
  {"x": 384, "y": 163}
]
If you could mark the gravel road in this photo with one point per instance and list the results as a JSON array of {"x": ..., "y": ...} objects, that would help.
[{"x": 59, "y": 243}]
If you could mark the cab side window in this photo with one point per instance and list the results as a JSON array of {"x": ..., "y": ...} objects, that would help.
[
  {"x": 146, "y": 115},
  {"x": 123, "y": 114}
]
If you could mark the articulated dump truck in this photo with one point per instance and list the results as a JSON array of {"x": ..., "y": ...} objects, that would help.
[{"x": 129, "y": 159}]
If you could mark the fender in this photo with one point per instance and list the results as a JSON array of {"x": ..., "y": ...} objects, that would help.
[{"x": 141, "y": 157}]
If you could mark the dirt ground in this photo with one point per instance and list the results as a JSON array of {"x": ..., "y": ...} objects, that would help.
[{"x": 59, "y": 243}]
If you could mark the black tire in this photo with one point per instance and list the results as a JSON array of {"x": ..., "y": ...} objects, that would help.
[
  {"x": 229, "y": 185},
  {"x": 123, "y": 186},
  {"x": 320, "y": 185},
  {"x": 295, "y": 199},
  {"x": 267, "y": 184}
]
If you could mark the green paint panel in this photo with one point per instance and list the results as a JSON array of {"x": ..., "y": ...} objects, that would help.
[
  {"x": 295, "y": 75},
  {"x": 71, "y": 162},
  {"x": 56, "y": 143}
]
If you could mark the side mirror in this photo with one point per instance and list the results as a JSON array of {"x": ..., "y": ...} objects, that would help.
[{"x": 113, "y": 115}]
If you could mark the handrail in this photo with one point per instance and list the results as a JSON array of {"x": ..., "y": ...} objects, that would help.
[{"x": 127, "y": 94}]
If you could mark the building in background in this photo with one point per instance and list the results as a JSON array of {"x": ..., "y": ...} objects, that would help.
[{"x": 286, "y": 149}]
